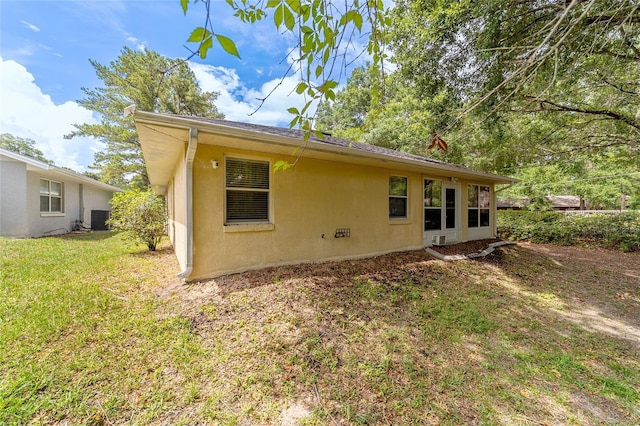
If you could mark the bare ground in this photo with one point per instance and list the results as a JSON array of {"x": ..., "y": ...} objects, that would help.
[{"x": 315, "y": 334}]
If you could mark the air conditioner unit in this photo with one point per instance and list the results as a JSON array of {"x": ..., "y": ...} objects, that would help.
[{"x": 439, "y": 240}]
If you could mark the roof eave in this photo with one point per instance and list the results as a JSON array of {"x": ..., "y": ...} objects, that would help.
[
  {"x": 34, "y": 164},
  {"x": 185, "y": 122}
]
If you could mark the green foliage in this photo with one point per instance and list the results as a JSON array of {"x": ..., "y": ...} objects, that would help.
[
  {"x": 620, "y": 230},
  {"x": 326, "y": 33},
  {"x": 606, "y": 182},
  {"x": 396, "y": 118},
  {"x": 150, "y": 81},
  {"x": 93, "y": 332},
  {"x": 569, "y": 68},
  {"x": 142, "y": 214},
  {"x": 23, "y": 146}
]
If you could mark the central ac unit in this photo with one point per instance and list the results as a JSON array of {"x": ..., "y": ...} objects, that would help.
[{"x": 439, "y": 240}]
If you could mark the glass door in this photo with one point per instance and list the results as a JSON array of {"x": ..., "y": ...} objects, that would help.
[{"x": 441, "y": 211}]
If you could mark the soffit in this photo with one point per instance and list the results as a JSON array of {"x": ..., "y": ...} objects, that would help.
[
  {"x": 162, "y": 134},
  {"x": 162, "y": 148}
]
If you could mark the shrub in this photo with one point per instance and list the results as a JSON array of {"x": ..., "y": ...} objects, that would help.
[
  {"x": 619, "y": 230},
  {"x": 141, "y": 214}
]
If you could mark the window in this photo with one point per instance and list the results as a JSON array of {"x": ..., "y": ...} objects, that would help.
[
  {"x": 247, "y": 191},
  {"x": 50, "y": 196},
  {"x": 478, "y": 204},
  {"x": 432, "y": 205},
  {"x": 397, "y": 197}
]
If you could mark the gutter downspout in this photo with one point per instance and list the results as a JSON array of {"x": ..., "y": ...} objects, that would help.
[
  {"x": 191, "y": 153},
  {"x": 81, "y": 204},
  {"x": 495, "y": 203}
]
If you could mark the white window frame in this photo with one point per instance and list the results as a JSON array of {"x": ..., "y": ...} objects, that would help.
[
  {"x": 49, "y": 196},
  {"x": 478, "y": 208},
  {"x": 404, "y": 197},
  {"x": 234, "y": 223}
]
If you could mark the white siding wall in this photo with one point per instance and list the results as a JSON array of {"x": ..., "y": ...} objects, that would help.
[{"x": 13, "y": 199}]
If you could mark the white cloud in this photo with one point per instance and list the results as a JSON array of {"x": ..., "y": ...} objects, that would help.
[
  {"x": 140, "y": 45},
  {"x": 239, "y": 103},
  {"x": 30, "y": 26},
  {"x": 27, "y": 112}
]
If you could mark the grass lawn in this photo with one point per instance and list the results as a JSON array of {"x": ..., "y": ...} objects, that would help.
[{"x": 95, "y": 332}]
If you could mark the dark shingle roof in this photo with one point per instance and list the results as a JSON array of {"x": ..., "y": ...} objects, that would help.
[
  {"x": 332, "y": 143},
  {"x": 327, "y": 140}
]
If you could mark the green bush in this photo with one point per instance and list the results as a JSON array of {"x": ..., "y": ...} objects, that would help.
[
  {"x": 141, "y": 214},
  {"x": 619, "y": 230}
]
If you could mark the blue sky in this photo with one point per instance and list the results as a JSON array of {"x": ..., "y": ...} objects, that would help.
[{"x": 45, "y": 47}]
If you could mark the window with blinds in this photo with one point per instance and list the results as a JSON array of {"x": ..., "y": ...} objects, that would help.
[{"x": 247, "y": 191}]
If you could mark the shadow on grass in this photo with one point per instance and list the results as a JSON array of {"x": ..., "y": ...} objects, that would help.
[
  {"x": 88, "y": 236},
  {"x": 145, "y": 253},
  {"x": 595, "y": 289},
  {"x": 404, "y": 338}
]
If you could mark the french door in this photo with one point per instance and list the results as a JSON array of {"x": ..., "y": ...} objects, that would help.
[{"x": 441, "y": 211}]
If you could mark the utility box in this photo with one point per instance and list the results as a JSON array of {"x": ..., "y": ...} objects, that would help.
[{"x": 99, "y": 220}]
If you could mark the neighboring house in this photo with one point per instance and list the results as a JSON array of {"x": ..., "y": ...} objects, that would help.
[
  {"x": 230, "y": 211},
  {"x": 556, "y": 202},
  {"x": 38, "y": 199},
  {"x": 567, "y": 202}
]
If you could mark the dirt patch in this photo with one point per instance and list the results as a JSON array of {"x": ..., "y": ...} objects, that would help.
[
  {"x": 465, "y": 248},
  {"x": 387, "y": 339},
  {"x": 603, "y": 287}
]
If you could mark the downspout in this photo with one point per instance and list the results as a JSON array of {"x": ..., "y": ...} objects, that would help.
[
  {"x": 191, "y": 153},
  {"x": 81, "y": 204}
]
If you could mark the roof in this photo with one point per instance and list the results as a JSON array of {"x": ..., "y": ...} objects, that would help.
[
  {"x": 557, "y": 201},
  {"x": 58, "y": 172},
  {"x": 564, "y": 201},
  {"x": 326, "y": 139},
  {"x": 156, "y": 132}
]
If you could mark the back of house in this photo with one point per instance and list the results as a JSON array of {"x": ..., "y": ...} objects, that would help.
[{"x": 231, "y": 211}]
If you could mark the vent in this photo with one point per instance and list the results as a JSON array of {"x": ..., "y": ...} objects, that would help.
[
  {"x": 343, "y": 233},
  {"x": 439, "y": 240}
]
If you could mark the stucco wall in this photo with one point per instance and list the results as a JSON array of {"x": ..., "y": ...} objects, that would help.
[
  {"x": 176, "y": 199},
  {"x": 94, "y": 199},
  {"x": 13, "y": 199},
  {"x": 55, "y": 223},
  {"x": 309, "y": 201}
]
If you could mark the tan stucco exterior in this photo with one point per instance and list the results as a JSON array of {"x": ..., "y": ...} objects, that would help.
[{"x": 324, "y": 191}]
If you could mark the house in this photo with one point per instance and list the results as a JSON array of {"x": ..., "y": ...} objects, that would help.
[
  {"x": 231, "y": 211},
  {"x": 555, "y": 202},
  {"x": 39, "y": 199}
]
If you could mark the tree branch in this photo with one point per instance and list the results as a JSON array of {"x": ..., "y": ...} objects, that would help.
[
  {"x": 568, "y": 108},
  {"x": 617, "y": 87}
]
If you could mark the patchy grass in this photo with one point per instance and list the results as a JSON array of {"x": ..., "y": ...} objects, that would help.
[{"x": 93, "y": 332}]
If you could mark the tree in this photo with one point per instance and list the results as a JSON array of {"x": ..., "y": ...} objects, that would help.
[
  {"x": 399, "y": 119},
  {"x": 22, "y": 146},
  {"x": 576, "y": 59},
  {"x": 150, "y": 81},
  {"x": 141, "y": 214},
  {"x": 326, "y": 33}
]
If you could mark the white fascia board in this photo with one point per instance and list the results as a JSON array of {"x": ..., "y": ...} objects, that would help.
[
  {"x": 58, "y": 172},
  {"x": 37, "y": 164},
  {"x": 184, "y": 122}
]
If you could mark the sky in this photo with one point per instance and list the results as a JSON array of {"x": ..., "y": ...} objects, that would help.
[{"x": 45, "y": 47}]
